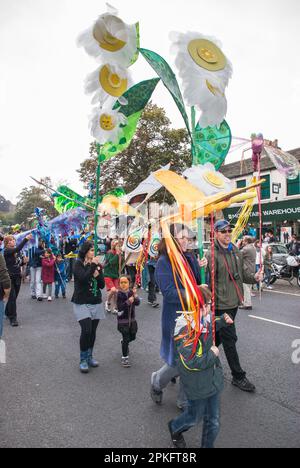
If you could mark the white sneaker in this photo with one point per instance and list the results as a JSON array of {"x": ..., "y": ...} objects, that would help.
[
  {"x": 115, "y": 312},
  {"x": 269, "y": 287},
  {"x": 107, "y": 307},
  {"x": 49, "y": 299}
]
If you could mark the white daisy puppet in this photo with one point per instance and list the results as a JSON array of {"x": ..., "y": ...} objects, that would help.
[
  {"x": 208, "y": 180},
  {"x": 105, "y": 125},
  {"x": 108, "y": 81},
  {"x": 110, "y": 39},
  {"x": 205, "y": 72}
]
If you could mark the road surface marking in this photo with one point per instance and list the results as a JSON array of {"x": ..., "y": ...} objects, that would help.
[
  {"x": 281, "y": 292},
  {"x": 273, "y": 321}
]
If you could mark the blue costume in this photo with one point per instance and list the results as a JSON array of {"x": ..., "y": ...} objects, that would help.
[{"x": 60, "y": 278}]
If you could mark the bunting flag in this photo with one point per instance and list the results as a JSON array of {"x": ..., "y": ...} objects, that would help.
[{"x": 134, "y": 242}]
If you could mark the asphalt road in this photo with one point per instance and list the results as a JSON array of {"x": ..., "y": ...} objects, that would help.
[{"x": 46, "y": 402}]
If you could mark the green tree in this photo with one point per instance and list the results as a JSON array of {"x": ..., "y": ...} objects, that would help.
[
  {"x": 7, "y": 219},
  {"x": 155, "y": 144},
  {"x": 31, "y": 198}
]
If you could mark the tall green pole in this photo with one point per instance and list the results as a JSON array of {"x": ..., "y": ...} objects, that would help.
[
  {"x": 98, "y": 201},
  {"x": 200, "y": 223}
]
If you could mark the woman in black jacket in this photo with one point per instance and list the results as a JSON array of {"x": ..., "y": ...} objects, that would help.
[{"x": 87, "y": 302}]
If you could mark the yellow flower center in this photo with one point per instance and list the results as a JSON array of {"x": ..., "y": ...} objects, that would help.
[
  {"x": 107, "y": 122},
  {"x": 208, "y": 55},
  {"x": 214, "y": 179},
  {"x": 114, "y": 80}
]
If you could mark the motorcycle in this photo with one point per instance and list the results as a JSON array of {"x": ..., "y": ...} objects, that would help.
[{"x": 287, "y": 272}]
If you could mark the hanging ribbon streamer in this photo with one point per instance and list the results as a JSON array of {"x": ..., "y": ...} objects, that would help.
[{"x": 213, "y": 278}]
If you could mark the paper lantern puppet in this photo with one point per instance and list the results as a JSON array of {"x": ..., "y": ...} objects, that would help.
[{"x": 205, "y": 72}]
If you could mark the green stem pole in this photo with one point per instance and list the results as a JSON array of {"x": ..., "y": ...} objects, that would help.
[
  {"x": 98, "y": 200},
  {"x": 200, "y": 223}
]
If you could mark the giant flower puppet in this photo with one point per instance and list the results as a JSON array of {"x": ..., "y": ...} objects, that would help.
[
  {"x": 205, "y": 72},
  {"x": 110, "y": 38},
  {"x": 105, "y": 124},
  {"x": 109, "y": 82}
]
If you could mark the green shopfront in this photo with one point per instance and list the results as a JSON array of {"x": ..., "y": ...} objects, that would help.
[{"x": 276, "y": 215}]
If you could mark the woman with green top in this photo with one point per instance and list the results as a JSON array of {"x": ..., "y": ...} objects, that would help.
[{"x": 112, "y": 271}]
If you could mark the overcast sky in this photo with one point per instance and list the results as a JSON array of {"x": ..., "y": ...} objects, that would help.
[{"x": 44, "y": 111}]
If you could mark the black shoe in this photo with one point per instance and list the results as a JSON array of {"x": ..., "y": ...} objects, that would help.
[
  {"x": 244, "y": 385},
  {"x": 14, "y": 323},
  {"x": 174, "y": 380},
  {"x": 156, "y": 395},
  {"x": 155, "y": 305},
  {"x": 33, "y": 297},
  {"x": 40, "y": 299},
  {"x": 56, "y": 297},
  {"x": 177, "y": 439}
]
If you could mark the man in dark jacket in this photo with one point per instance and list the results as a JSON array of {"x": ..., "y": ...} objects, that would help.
[
  {"x": 294, "y": 246},
  {"x": 230, "y": 274},
  {"x": 5, "y": 285}
]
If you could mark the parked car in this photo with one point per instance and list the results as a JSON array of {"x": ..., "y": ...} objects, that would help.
[{"x": 280, "y": 253}]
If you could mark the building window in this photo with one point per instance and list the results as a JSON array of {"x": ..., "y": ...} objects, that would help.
[
  {"x": 266, "y": 188},
  {"x": 241, "y": 183},
  {"x": 293, "y": 186}
]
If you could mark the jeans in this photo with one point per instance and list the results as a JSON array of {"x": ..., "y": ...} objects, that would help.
[
  {"x": 36, "y": 281},
  {"x": 1, "y": 318},
  {"x": 152, "y": 284},
  {"x": 145, "y": 278},
  {"x": 197, "y": 410},
  {"x": 163, "y": 377},
  {"x": 59, "y": 285},
  {"x": 228, "y": 338},
  {"x": 268, "y": 276}
]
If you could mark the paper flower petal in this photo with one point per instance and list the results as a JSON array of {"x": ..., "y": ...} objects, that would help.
[{"x": 208, "y": 180}]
